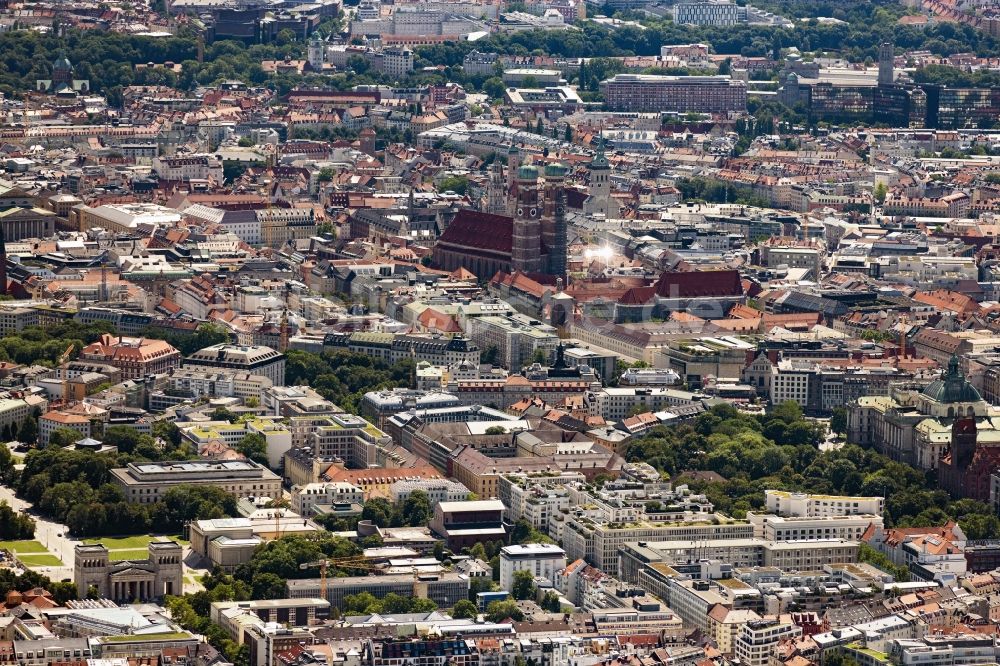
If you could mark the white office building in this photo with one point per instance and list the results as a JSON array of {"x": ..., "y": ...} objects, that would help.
[
  {"x": 784, "y": 503},
  {"x": 541, "y": 559},
  {"x": 756, "y": 640},
  {"x": 805, "y": 528},
  {"x": 307, "y": 497}
]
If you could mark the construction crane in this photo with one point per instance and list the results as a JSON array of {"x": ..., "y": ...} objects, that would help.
[
  {"x": 358, "y": 562},
  {"x": 65, "y": 355},
  {"x": 278, "y": 505}
]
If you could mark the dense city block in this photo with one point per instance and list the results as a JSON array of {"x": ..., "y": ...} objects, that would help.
[{"x": 499, "y": 333}]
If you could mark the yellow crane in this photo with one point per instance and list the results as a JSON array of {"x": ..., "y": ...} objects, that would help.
[
  {"x": 357, "y": 562},
  {"x": 65, "y": 355}
]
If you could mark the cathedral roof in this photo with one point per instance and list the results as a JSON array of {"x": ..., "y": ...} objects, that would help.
[{"x": 483, "y": 231}]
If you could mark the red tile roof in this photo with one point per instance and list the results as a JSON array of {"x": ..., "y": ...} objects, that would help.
[
  {"x": 637, "y": 295},
  {"x": 699, "y": 283},
  {"x": 484, "y": 231}
]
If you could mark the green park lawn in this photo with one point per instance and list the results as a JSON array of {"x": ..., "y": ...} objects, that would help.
[
  {"x": 24, "y": 547},
  {"x": 45, "y": 560},
  {"x": 31, "y": 553}
]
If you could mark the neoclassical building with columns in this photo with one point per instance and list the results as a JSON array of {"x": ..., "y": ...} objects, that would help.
[{"x": 129, "y": 580}]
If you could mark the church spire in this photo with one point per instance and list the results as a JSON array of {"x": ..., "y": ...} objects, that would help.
[
  {"x": 600, "y": 160},
  {"x": 513, "y": 164},
  {"x": 496, "y": 190}
]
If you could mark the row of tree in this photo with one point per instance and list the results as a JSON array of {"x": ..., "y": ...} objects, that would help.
[
  {"x": 866, "y": 25},
  {"x": 365, "y": 603},
  {"x": 414, "y": 511},
  {"x": 109, "y": 60},
  {"x": 15, "y": 525},
  {"x": 44, "y": 346},
  {"x": 699, "y": 188}
]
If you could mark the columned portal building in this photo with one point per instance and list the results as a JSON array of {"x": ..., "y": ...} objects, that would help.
[{"x": 160, "y": 574}]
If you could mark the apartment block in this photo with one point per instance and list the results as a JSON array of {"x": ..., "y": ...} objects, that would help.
[
  {"x": 536, "y": 498},
  {"x": 601, "y": 543},
  {"x": 256, "y": 360},
  {"x": 709, "y": 13},
  {"x": 756, "y": 641},
  {"x": 393, "y": 348},
  {"x": 192, "y": 384},
  {"x": 800, "y": 528},
  {"x": 517, "y": 339},
  {"x": 380, "y": 406},
  {"x": 437, "y": 490},
  {"x": 640, "y": 560},
  {"x": 951, "y": 649},
  {"x": 349, "y": 438},
  {"x": 615, "y": 403},
  {"x": 680, "y": 94},
  {"x": 444, "y": 589},
  {"x": 693, "y": 600},
  {"x": 277, "y": 437},
  {"x": 292, "y": 401}
]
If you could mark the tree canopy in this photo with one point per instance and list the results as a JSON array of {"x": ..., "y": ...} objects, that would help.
[
  {"x": 15, "y": 525},
  {"x": 75, "y": 488},
  {"x": 205, "y": 335},
  {"x": 344, "y": 377},
  {"x": 779, "y": 450}
]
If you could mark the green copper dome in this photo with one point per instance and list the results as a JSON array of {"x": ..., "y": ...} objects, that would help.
[
  {"x": 62, "y": 63},
  {"x": 952, "y": 386},
  {"x": 527, "y": 172},
  {"x": 557, "y": 170}
]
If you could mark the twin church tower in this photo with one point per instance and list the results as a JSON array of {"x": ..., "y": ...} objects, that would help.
[{"x": 535, "y": 198}]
